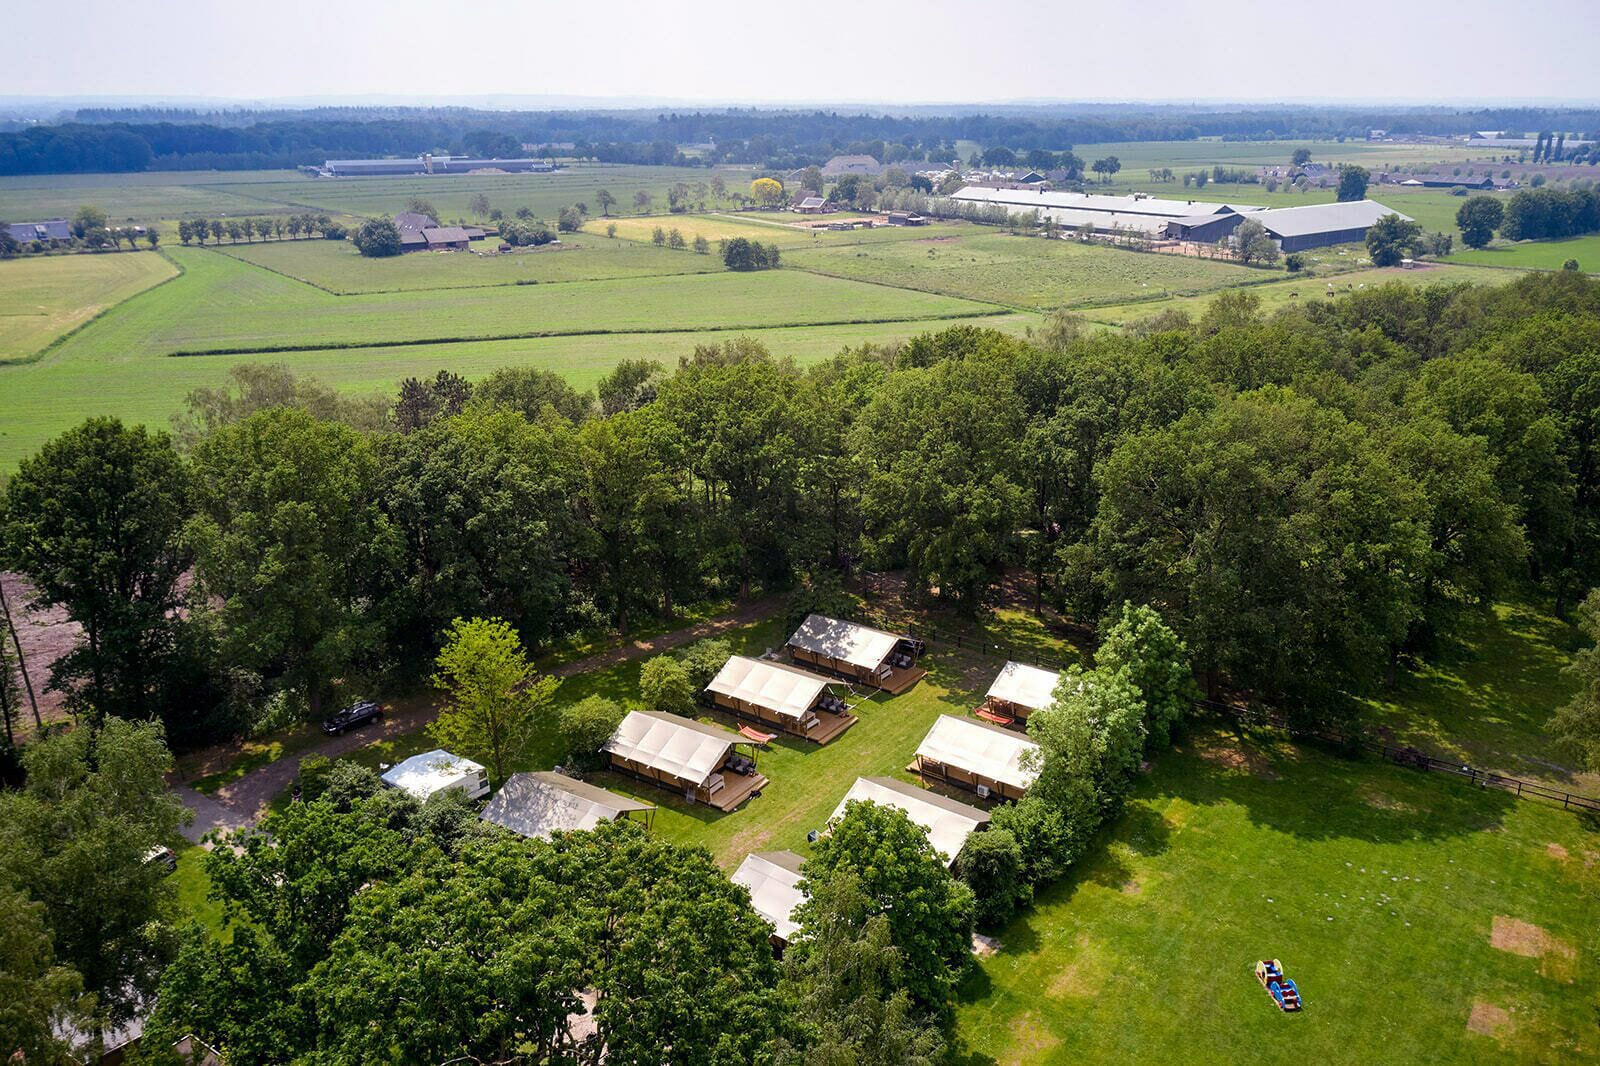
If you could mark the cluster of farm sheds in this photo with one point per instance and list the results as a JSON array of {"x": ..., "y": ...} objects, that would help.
[
  {"x": 1293, "y": 229},
  {"x": 833, "y": 666}
]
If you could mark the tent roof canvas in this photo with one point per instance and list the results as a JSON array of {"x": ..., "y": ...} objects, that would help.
[
  {"x": 784, "y": 689},
  {"x": 539, "y": 804},
  {"x": 773, "y": 878},
  {"x": 684, "y": 748},
  {"x": 849, "y": 642},
  {"x": 1026, "y": 686},
  {"x": 423, "y": 775},
  {"x": 947, "y": 821},
  {"x": 985, "y": 750}
]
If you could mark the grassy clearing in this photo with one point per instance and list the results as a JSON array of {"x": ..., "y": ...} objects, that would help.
[
  {"x": 192, "y": 886},
  {"x": 1278, "y": 294},
  {"x": 1486, "y": 697},
  {"x": 1023, "y": 271},
  {"x": 44, "y": 297},
  {"x": 1537, "y": 255},
  {"x": 1378, "y": 887},
  {"x": 337, "y": 267}
]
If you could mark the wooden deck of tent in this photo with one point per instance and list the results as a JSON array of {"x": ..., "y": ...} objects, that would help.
[
  {"x": 829, "y": 725},
  {"x": 899, "y": 679},
  {"x": 736, "y": 788}
]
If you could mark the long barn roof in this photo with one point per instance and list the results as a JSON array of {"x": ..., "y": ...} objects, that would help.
[{"x": 1323, "y": 218}]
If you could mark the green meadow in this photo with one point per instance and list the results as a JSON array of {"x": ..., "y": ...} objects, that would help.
[
  {"x": 1537, "y": 255},
  {"x": 42, "y": 299}
]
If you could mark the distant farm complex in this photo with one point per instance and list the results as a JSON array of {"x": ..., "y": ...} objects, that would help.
[
  {"x": 1292, "y": 228},
  {"x": 428, "y": 164}
]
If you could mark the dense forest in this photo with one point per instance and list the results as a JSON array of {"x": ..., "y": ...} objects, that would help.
[{"x": 135, "y": 139}]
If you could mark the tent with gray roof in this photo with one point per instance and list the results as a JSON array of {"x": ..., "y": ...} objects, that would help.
[
  {"x": 773, "y": 878},
  {"x": 539, "y": 804}
]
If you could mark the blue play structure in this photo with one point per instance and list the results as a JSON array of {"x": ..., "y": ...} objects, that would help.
[{"x": 1282, "y": 990}]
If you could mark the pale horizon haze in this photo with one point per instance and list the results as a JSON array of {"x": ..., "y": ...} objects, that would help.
[{"x": 717, "y": 52}]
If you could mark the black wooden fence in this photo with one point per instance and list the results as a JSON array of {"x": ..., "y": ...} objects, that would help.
[{"x": 1255, "y": 716}]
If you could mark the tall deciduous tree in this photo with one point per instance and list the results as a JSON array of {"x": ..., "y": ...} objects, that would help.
[
  {"x": 929, "y": 913},
  {"x": 1478, "y": 218},
  {"x": 290, "y": 537},
  {"x": 1576, "y": 726},
  {"x": 75, "y": 839},
  {"x": 1157, "y": 662},
  {"x": 94, "y": 520},
  {"x": 495, "y": 698},
  {"x": 1352, "y": 182}
]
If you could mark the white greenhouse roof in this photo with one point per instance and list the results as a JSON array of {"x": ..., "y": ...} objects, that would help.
[
  {"x": 773, "y": 878},
  {"x": 849, "y": 642},
  {"x": 686, "y": 749},
  {"x": 423, "y": 775},
  {"x": 985, "y": 750},
  {"x": 783, "y": 689},
  {"x": 948, "y": 822},
  {"x": 1026, "y": 686},
  {"x": 1322, "y": 218},
  {"x": 539, "y": 804}
]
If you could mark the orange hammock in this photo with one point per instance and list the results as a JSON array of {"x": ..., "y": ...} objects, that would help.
[{"x": 756, "y": 735}]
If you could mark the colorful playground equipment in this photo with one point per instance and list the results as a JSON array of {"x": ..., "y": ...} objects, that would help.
[{"x": 1282, "y": 990}]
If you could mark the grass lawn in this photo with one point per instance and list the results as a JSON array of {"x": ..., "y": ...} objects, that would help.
[
  {"x": 1379, "y": 888},
  {"x": 1486, "y": 697},
  {"x": 45, "y": 296},
  {"x": 1023, "y": 271},
  {"x": 1278, "y": 294},
  {"x": 1537, "y": 255},
  {"x": 337, "y": 267},
  {"x": 192, "y": 886}
]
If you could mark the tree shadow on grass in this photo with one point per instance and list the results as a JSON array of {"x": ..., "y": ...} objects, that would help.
[{"x": 1312, "y": 793}]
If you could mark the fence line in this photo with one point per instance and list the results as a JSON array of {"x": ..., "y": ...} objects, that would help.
[{"x": 1411, "y": 757}]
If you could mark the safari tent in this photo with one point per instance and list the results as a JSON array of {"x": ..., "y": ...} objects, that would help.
[
  {"x": 773, "y": 878},
  {"x": 857, "y": 653},
  {"x": 1017, "y": 692},
  {"x": 434, "y": 771},
  {"x": 987, "y": 759},
  {"x": 686, "y": 756},
  {"x": 540, "y": 804},
  {"x": 796, "y": 701},
  {"x": 948, "y": 822}
]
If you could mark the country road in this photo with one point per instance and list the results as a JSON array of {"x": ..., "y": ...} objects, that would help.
[{"x": 244, "y": 801}]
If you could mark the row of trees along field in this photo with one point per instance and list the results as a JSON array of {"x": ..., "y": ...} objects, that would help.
[
  {"x": 1306, "y": 497},
  {"x": 1531, "y": 215}
]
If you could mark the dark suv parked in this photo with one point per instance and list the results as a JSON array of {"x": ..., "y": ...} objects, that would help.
[{"x": 359, "y": 713}]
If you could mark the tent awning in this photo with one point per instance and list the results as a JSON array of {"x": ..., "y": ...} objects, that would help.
[
  {"x": 849, "y": 642},
  {"x": 990, "y": 752},
  {"x": 773, "y": 878},
  {"x": 947, "y": 822},
  {"x": 1026, "y": 686},
  {"x": 685, "y": 749},
  {"x": 779, "y": 688},
  {"x": 540, "y": 804}
]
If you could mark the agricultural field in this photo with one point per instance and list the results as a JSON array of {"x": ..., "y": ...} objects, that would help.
[
  {"x": 1537, "y": 255},
  {"x": 768, "y": 228},
  {"x": 336, "y": 267},
  {"x": 982, "y": 264},
  {"x": 147, "y": 197},
  {"x": 43, "y": 299},
  {"x": 1276, "y": 294}
]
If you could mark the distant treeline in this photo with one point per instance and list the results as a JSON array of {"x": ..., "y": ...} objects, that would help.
[{"x": 137, "y": 139}]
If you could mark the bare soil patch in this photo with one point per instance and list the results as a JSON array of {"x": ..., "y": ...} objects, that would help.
[
  {"x": 1239, "y": 760},
  {"x": 1382, "y": 801},
  {"x": 1557, "y": 958},
  {"x": 1030, "y": 1040},
  {"x": 1082, "y": 976},
  {"x": 1488, "y": 1020},
  {"x": 1556, "y": 851}
]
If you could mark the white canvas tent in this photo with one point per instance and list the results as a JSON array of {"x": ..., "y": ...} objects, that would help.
[
  {"x": 539, "y": 804},
  {"x": 1024, "y": 686},
  {"x": 670, "y": 745},
  {"x": 773, "y": 878},
  {"x": 845, "y": 642},
  {"x": 948, "y": 822},
  {"x": 977, "y": 756},
  {"x": 433, "y": 771},
  {"x": 783, "y": 690}
]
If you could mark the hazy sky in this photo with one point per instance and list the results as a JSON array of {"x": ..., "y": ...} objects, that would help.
[{"x": 933, "y": 51}]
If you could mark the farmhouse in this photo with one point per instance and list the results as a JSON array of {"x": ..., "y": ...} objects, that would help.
[
  {"x": 887, "y": 661},
  {"x": 685, "y": 756},
  {"x": 538, "y": 805},
  {"x": 1295, "y": 229},
  {"x": 446, "y": 238},
  {"x": 947, "y": 822},
  {"x": 434, "y": 771},
  {"x": 905, "y": 218},
  {"x": 51, "y": 229},
  {"x": 773, "y": 878},
  {"x": 1017, "y": 692},
  {"x": 806, "y": 202},
  {"x": 794, "y": 700},
  {"x": 1439, "y": 181},
  {"x": 841, "y": 165},
  {"x": 987, "y": 759}
]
